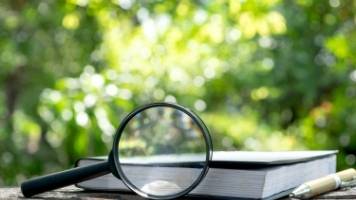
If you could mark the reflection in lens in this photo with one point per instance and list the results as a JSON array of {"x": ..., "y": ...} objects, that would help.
[{"x": 162, "y": 151}]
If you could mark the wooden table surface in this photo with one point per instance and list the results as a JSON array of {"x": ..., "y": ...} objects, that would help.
[{"x": 76, "y": 193}]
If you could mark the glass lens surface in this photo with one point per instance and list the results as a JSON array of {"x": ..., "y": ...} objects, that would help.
[{"x": 162, "y": 151}]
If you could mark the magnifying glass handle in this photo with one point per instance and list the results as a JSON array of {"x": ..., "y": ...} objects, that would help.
[{"x": 64, "y": 178}]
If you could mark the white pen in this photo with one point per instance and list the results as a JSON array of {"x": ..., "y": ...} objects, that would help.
[{"x": 324, "y": 184}]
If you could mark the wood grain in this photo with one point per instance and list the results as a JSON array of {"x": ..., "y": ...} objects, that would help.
[{"x": 76, "y": 193}]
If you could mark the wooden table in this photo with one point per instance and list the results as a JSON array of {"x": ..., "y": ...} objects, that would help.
[{"x": 76, "y": 193}]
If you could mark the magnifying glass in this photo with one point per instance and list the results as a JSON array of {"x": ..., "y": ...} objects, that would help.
[{"x": 160, "y": 151}]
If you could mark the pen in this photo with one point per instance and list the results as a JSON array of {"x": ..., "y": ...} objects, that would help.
[{"x": 324, "y": 184}]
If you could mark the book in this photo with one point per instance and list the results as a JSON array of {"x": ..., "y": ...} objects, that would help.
[{"x": 240, "y": 174}]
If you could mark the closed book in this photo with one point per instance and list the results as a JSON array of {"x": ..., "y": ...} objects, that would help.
[{"x": 240, "y": 174}]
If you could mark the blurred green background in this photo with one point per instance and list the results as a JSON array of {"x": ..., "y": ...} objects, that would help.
[{"x": 264, "y": 75}]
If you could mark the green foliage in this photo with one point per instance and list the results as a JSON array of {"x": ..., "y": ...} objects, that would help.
[{"x": 270, "y": 75}]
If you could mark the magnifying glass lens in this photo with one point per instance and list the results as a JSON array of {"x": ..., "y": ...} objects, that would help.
[{"x": 162, "y": 152}]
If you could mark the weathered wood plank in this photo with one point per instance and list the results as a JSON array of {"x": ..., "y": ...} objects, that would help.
[
  {"x": 76, "y": 193},
  {"x": 349, "y": 193},
  {"x": 67, "y": 193}
]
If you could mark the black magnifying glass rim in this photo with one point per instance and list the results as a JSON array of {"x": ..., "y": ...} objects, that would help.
[{"x": 197, "y": 120}]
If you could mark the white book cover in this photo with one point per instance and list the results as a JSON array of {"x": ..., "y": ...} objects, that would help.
[{"x": 237, "y": 174}]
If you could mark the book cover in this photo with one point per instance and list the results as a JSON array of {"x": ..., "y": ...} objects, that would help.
[{"x": 252, "y": 175}]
